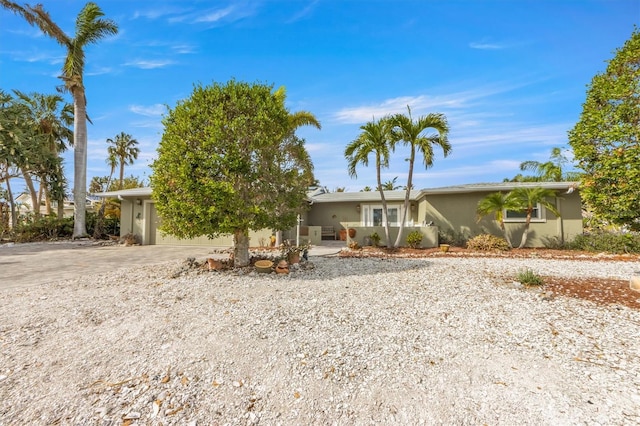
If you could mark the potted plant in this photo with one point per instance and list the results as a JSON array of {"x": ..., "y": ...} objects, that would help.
[
  {"x": 292, "y": 253},
  {"x": 375, "y": 239},
  {"x": 343, "y": 234},
  {"x": 352, "y": 233}
]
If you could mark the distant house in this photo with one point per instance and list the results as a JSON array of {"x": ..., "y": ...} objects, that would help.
[
  {"x": 24, "y": 204},
  {"x": 433, "y": 212}
]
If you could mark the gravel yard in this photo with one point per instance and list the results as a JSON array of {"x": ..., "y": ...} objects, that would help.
[{"x": 349, "y": 341}]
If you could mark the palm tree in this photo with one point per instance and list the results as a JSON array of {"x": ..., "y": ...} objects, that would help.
[
  {"x": 497, "y": 204},
  {"x": 527, "y": 199},
  {"x": 375, "y": 138},
  {"x": 90, "y": 28},
  {"x": 552, "y": 170},
  {"x": 124, "y": 149},
  {"x": 52, "y": 122},
  {"x": 390, "y": 185},
  {"x": 411, "y": 133}
]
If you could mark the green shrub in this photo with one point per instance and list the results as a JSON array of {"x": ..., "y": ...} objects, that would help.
[
  {"x": 375, "y": 239},
  {"x": 45, "y": 228},
  {"x": 607, "y": 242},
  {"x": 414, "y": 239},
  {"x": 487, "y": 242},
  {"x": 528, "y": 277}
]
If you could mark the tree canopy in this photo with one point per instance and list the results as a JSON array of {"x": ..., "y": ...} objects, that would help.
[
  {"x": 606, "y": 139},
  {"x": 229, "y": 162}
]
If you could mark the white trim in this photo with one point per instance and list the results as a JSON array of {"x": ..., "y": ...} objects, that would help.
[
  {"x": 366, "y": 214},
  {"x": 541, "y": 217}
]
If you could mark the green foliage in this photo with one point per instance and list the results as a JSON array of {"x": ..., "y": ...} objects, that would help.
[
  {"x": 608, "y": 242},
  {"x": 375, "y": 239},
  {"x": 529, "y": 277},
  {"x": 45, "y": 228},
  {"x": 605, "y": 139},
  {"x": 488, "y": 242},
  {"x": 549, "y": 171},
  {"x": 229, "y": 162},
  {"x": 414, "y": 239}
]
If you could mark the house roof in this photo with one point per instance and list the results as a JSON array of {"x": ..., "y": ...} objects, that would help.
[
  {"x": 321, "y": 195},
  {"x": 134, "y": 192},
  {"x": 334, "y": 197},
  {"x": 501, "y": 186}
]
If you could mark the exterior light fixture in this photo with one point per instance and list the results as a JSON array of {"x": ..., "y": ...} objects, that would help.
[{"x": 138, "y": 201}]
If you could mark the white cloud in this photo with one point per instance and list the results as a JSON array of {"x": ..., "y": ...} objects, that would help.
[
  {"x": 149, "y": 64},
  {"x": 99, "y": 71},
  {"x": 306, "y": 11},
  {"x": 154, "y": 110},
  {"x": 216, "y": 15},
  {"x": 487, "y": 46}
]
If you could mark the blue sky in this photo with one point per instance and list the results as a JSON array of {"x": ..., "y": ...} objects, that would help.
[{"x": 510, "y": 76}]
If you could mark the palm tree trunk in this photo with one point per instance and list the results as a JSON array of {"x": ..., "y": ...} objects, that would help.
[
  {"x": 121, "y": 173},
  {"x": 506, "y": 235},
  {"x": 79, "y": 163},
  {"x": 406, "y": 197},
  {"x": 384, "y": 203},
  {"x": 525, "y": 233}
]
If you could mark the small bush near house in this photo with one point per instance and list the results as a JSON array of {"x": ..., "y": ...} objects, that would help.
[
  {"x": 375, "y": 239},
  {"x": 607, "y": 242},
  {"x": 487, "y": 242},
  {"x": 528, "y": 277},
  {"x": 414, "y": 239},
  {"x": 45, "y": 228}
]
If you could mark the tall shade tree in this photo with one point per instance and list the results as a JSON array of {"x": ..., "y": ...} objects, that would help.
[
  {"x": 411, "y": 133},
  {"x": 375, "y": 139},
  {"x": 606, "y": 139},
  {"x": 229, "y": 162},
  {"x": 123, "y": 148},
  {"x": 497, "y": 204},
  {"x": 89, "y": 29},
  {"x": 526, "y": 200}
]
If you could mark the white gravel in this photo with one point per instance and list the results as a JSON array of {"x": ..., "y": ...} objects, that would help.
[{"x": 351, "y": 341}]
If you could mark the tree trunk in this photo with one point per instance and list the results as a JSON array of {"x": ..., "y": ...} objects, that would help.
[
  {"x": 35, "y": 205},
  {"x": 79, "y": 163},
  {"x": 240, "y": 248},
  {"x": 12, "y": 204},
  {"x": 525, "y": 233},
  {"x": 506, "y": 235},
  {"x": 384, "y": 203},
  {"x": 121, "y": 174},
  {"x": 406, "y": 196}
]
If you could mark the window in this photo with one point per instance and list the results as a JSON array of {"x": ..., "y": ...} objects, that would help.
[
  {"x": 372, "y": 215},
  {"x": 520, "y": 216}
]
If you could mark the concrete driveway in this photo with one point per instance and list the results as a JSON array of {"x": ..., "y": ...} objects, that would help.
[{"x": 23, "y": 265}]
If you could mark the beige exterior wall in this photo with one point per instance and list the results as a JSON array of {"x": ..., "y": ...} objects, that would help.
[
  {"x": 449, "y": 212},
  {"x": 457, "y": 213}
]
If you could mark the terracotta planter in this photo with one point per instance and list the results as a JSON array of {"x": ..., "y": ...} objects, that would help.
[
  {"x": 343, "y": 235},
  {"x": 352, "y": 233},
  {"x": 283, "y": 267},
  {"x": 263, "y": 266},
  {"x": 294, "y": 258}
]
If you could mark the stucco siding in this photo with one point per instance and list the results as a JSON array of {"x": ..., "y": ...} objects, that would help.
[{"x": 457, "y": 213}]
